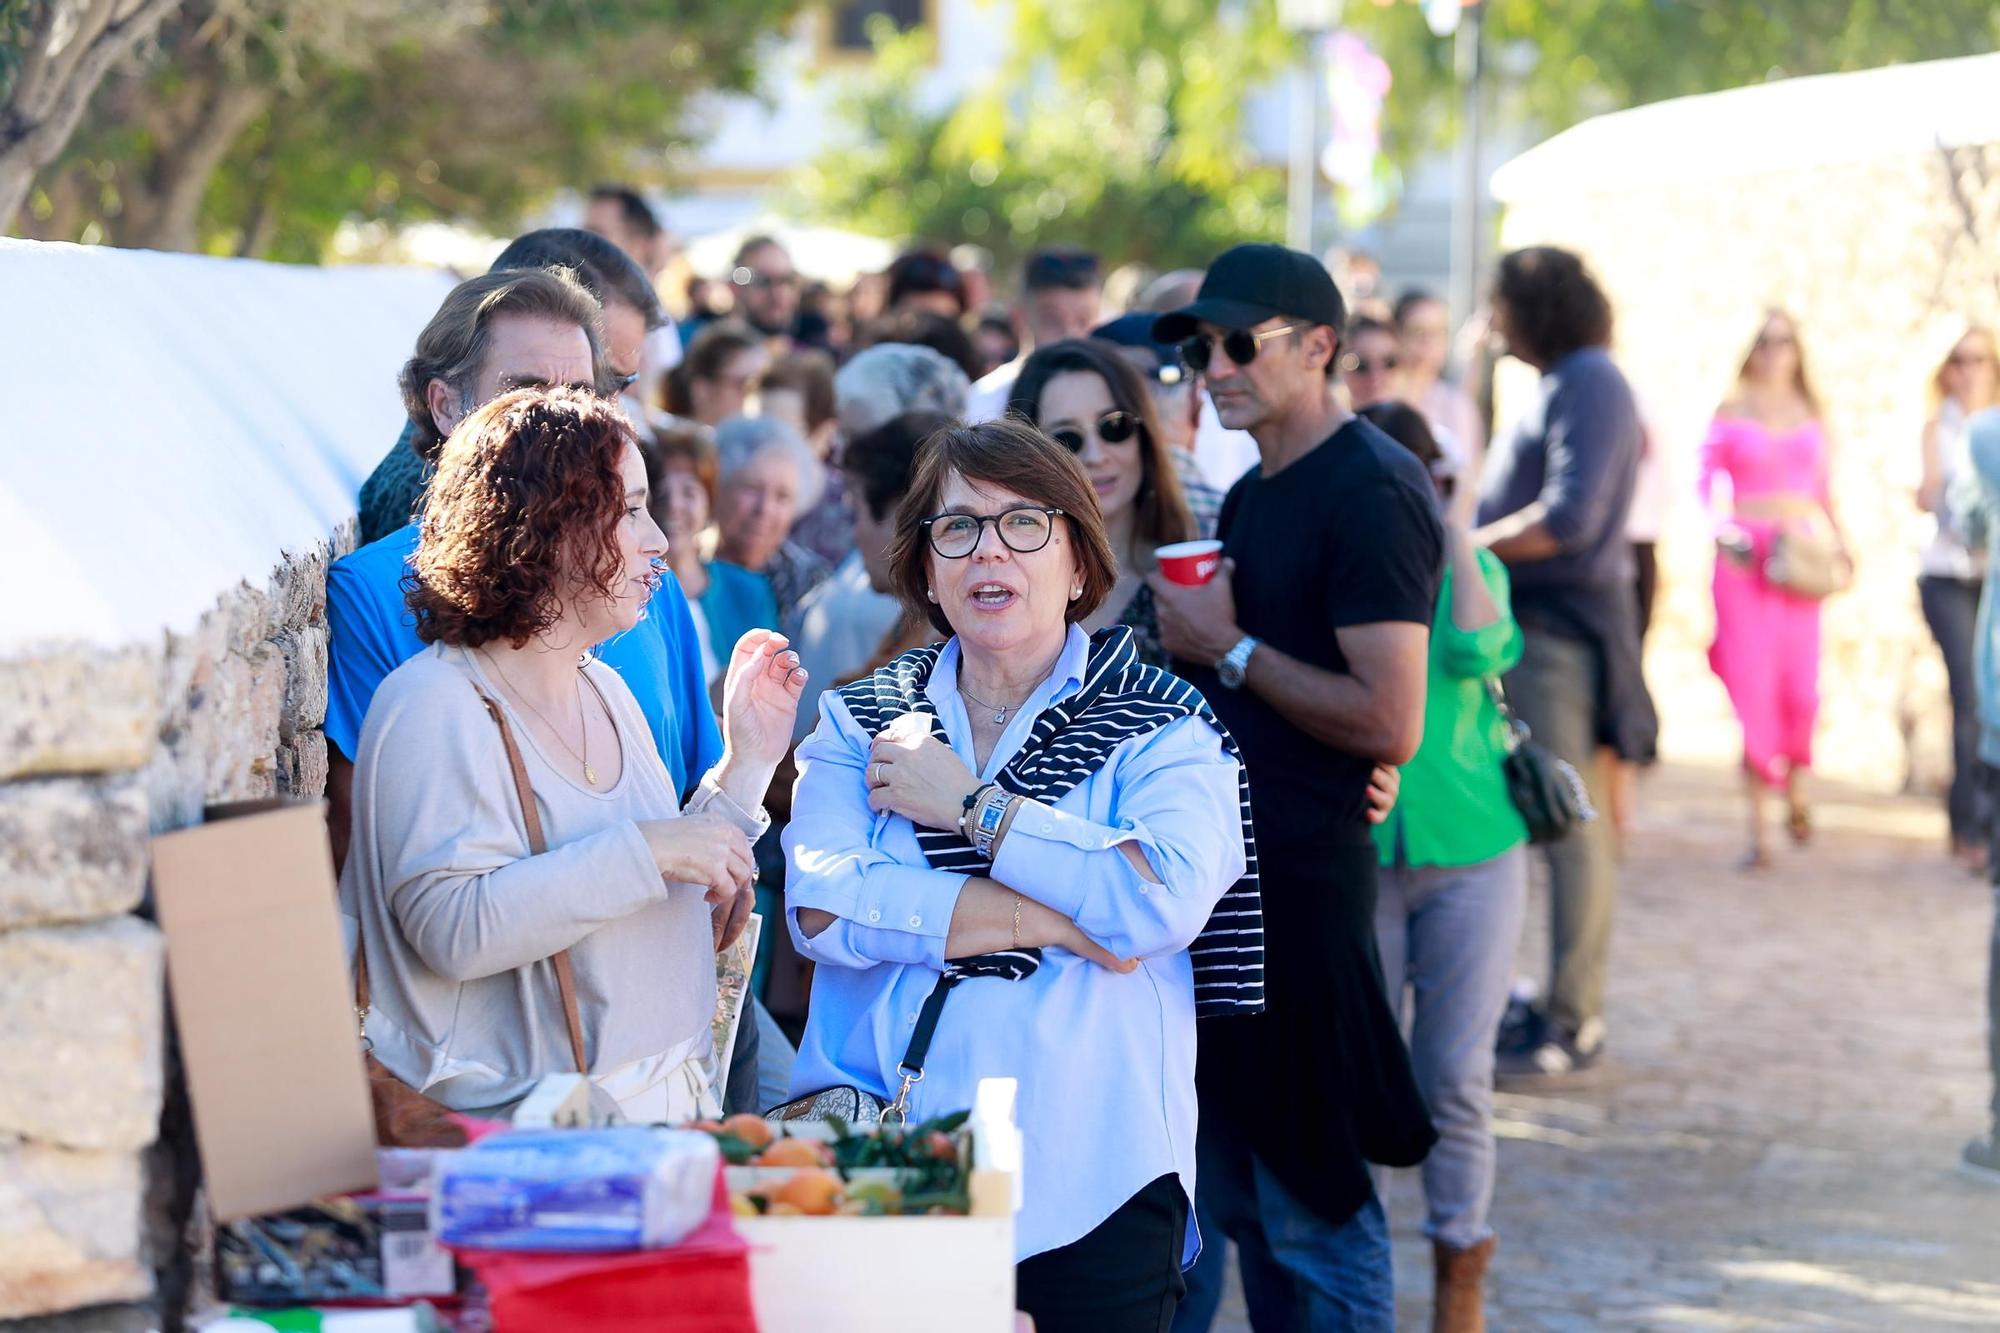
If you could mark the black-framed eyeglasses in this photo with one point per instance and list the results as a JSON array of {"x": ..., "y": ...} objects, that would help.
[
  {"x": 1355, "y": 364},
  {"x": 620, "y": 383},
  {"x": 1024, "y": 531},
  {"x": 1114, "y": 427},
  {"x": 1240, "y": 345}
]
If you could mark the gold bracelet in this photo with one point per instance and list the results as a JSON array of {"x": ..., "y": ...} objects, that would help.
[{"x": 1017, "y": 921}]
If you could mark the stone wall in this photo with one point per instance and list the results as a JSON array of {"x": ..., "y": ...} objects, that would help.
[
  {"x": 1882, "y": 260},
  {"x": 98, "y": 751}
]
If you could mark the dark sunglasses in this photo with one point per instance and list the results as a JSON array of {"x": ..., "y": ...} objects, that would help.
[
  {"x": 1360, "y": 365},
  {"x": 1114, "y": 427},
  {"x": 1967, "y": 359},
  {"x": 1240, "y": 345}
]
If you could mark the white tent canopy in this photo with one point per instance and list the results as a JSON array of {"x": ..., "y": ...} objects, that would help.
[
  {"x": 1786, "y": 125},
  {"x": 175, "y": 422}
]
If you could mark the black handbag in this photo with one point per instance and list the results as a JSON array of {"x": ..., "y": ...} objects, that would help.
[{"x": 1545, "y": 788}]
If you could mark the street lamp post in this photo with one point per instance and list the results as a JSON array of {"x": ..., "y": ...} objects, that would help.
[{"x": 1307, "y": 19}]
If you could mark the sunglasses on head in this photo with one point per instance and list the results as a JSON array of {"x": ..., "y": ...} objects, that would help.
[
  {"x": 1240, "y": 345},
  {"x": 1114, "y": 427}
]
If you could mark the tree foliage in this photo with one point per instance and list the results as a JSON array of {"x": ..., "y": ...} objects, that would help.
[
  {"x": 1556, "y": 64},
  {"x": 1117, "y": 126},
  {"x": 1119, "y": 123},
  {"x": 259, "y": 126}
]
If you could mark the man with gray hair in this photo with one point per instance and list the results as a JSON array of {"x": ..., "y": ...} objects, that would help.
[{"x": 882, "y": 382}]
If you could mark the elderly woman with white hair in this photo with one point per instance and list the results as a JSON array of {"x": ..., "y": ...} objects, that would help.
[{"x": 768, "y": 476}]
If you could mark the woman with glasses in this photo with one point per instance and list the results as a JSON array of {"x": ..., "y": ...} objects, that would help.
[
  {"x": 1369, "y": 367},
  {"x": 1023, "y": 855},
  {"x": 1769, "y": 452},
  {"x": 1952, "y": 569},
  {"x": 1089, "y": 399}
]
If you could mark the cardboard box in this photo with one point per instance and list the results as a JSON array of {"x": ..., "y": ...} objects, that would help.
[
  {"x": 264, "y": 1004},
  {"x": 888, "y": 1274},
  {"x": 891, "y": 1274}
]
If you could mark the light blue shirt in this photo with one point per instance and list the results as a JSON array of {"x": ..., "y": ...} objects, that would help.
[
  {"x": 1105, "y": 1061},
  {"x": 372, "y": 632},
  {"x": 1976, "y": 506}
]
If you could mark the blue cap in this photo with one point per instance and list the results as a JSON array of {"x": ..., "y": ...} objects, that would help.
[{"x": 1136, "y": 330}]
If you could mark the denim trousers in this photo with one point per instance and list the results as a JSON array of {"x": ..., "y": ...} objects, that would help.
[
  {"x": 1447, "y": 936},
  {"x": 1554, "y": 690},
  {"x": 1301, "y": 1273},
  {"x": 1951, "y": 609}
]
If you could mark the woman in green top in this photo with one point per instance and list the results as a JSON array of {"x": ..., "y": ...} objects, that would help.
[{"x": 1454, "y": 883}]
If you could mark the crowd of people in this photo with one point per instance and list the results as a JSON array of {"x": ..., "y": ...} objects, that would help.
[{"x": 852, "y": 610}]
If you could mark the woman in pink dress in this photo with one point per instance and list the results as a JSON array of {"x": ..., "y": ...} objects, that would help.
[{"x": 1768, "y": 451}]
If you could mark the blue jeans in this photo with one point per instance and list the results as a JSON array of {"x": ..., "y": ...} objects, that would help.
[{"x": 1300, "y": 1272}]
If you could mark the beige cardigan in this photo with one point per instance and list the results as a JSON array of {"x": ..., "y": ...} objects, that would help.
[{"x": 460, "y": 920}]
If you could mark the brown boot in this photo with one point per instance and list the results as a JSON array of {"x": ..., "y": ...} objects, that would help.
[{"x": 1460, "y": 1304}]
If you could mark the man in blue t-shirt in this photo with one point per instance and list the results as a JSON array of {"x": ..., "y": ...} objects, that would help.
[{"x": 509, "y": 329}]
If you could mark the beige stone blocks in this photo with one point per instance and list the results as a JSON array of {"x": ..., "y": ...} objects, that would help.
[
  {"x": 81, "y": 1024},
  {"x": 71, "y": 848}
]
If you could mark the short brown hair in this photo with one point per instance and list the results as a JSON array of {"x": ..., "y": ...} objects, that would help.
[
  {"x": 523, "y": 511},
  {"x": 1014, "y": 455},
  {"x": 808, "y": 373},
  {"x": 453, "y": 345},
  {"x": 707, "y": 357},
  {"x": 687, "y": 444}
]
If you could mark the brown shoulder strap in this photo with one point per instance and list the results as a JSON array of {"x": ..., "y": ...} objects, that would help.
[{"x": 537, "y": 844}]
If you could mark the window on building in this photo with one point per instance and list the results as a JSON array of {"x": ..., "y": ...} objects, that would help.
[{"x": 851, "y": 20}]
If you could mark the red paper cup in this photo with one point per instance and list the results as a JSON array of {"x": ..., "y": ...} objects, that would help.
[{"x": 1190, "y": 563}]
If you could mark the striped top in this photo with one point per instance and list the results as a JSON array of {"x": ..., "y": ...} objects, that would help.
[{"x": 1121, "y": 698}]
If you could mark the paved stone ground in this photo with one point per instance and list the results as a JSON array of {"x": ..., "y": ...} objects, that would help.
[{"x": 1796, "y": 1060}]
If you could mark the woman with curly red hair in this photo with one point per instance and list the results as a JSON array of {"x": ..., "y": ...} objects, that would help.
[{"x": 486, "y": 928}]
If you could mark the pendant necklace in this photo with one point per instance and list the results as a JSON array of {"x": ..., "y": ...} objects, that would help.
[{"x": 582, "y": 726}]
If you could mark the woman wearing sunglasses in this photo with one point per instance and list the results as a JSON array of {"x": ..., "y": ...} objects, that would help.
[
  {"x": 1089, "y": 399},
  {"x": 1023, "y": 855}
]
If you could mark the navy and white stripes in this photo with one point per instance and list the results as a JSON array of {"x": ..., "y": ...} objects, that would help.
[{"x": 1120, "y": 698}]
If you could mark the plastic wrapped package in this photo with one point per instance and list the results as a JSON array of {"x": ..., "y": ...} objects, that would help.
[{"x": 576, "y": 1190}]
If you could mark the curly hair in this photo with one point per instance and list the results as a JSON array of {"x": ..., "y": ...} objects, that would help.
[
  {"x": 1554, "y": 305},
  {"x": 522, "y": 516}
]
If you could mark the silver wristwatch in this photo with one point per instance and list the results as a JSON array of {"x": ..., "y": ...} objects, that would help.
[{"x": 1236, "y": 661}]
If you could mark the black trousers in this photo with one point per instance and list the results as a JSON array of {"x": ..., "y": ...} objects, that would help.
[{"x": 1124, "y": 1277}]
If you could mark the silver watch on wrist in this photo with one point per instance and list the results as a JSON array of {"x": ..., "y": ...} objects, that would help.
[{"x": 1236, "y": 661}]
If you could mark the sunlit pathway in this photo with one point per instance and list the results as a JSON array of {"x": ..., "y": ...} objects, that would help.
[{"x": 1796, "y": 1060}]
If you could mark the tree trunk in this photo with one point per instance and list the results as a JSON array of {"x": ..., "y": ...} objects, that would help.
[
  {"x": 54, "y": 83},
  {"x": 168, "y": 211}
]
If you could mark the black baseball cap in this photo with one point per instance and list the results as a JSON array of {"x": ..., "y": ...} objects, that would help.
[
  {"x": 1248, "y": 284},
  {"x": 1137, "y": 331}
]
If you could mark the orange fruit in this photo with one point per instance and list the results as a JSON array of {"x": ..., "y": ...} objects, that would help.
[
  {"x": 754, "y": 1130},
  {"x": 792, "y": 1152},
  {"x": 812, "y": 1191}
]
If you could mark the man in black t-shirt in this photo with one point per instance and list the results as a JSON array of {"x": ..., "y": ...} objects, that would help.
[{"x": 1311, "y": 645}]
